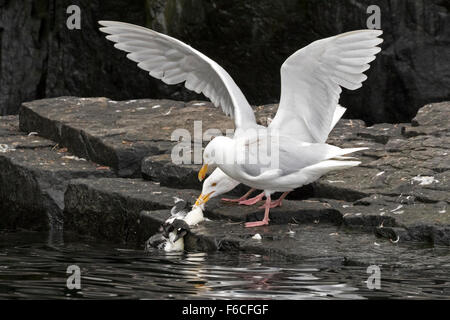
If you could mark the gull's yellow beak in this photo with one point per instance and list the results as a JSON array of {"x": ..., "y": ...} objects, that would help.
[
  {"x": 203, "y": 198},
  {"x": 202, "y": 172}
]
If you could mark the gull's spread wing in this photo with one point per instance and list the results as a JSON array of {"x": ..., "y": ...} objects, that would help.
[
  {"x": 174, "y": 62},
  {"x": 311, "y": 81}
]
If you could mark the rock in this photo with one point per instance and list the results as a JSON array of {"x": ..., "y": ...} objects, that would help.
[
  {"x": 9, "y": 125},
  {"x": 418, "y": 221},
  {"x": 33, "y": 177},
  {"x": 400, "y": 189},
  {"x": 160, "y": 168},
  {"x": 120, "y": 134},
  {"x": 55, "y": 61},
  {"x": 428, "y": 121},
  {"x": 250, "y": 40},
  {"x": 290, "y": 212},
  {"x": 110, "y": 208}
]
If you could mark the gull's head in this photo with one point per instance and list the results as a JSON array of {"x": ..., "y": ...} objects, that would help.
[
  {"x": 215, "y": 153},
  {"x": 216, "y": 184}
]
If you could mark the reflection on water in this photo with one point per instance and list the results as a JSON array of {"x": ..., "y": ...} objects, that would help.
[{"x": 33, "y": 267}]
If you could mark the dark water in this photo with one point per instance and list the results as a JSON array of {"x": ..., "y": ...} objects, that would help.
[{"x": 32, "y": 265}]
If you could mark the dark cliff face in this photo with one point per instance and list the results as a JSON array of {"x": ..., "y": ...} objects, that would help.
[{"x": 40, "y": 57}]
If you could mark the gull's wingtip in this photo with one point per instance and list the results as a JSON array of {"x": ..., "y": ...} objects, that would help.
[
  {"x": 110, "y": 23},
  {"x": 377, "y": 32}
]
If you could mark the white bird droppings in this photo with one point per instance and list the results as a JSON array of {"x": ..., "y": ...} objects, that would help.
[
  {"x": 257, "y": 237},
  {"x": 168, "y": 112},
  {"x": 424, "y": 181},
  {"x": 73, "y": 158},
  {"x": 176, "y": 199},
  {"x": 157, "y": 106},
  {"x": 5, "y": 148},
  {"x": 399, "y": 207}
]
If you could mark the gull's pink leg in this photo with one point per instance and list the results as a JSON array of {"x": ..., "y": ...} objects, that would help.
[
  {"x": 277, "y": 203},
  {"x": 264, "y": 221},
  {"x": 244, "y": 197},
  {"x": 252, "y": 201}
]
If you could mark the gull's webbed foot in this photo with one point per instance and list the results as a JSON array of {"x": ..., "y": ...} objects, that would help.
[
  {"x": 243, "y": 198},
  {"x": 276, "y": 203},
  {"x": 266, "y": 219},
  {"x": 256, "y": 223},
  {"x": 253, "y": 200}
]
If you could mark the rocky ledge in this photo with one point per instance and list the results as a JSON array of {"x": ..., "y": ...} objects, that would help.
[{"x": 103, "y": 169}]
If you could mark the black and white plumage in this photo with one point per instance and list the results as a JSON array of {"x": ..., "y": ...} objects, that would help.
[{"x": 176, "y": 227}]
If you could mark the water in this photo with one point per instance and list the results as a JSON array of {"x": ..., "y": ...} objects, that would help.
[{"x": 32, "y": 265}]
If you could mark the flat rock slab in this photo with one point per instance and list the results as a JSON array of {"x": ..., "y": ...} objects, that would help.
[
  {"x": 131, "y": 210},
  {"x": 119, "y": 134},
  {"x": 110, "y": 209},
  {"x": 331, "y": 245},
  {"x": 401, "y": 218},
  {"x": 407, "y": 164},
  {"x": 290, "y": 212},
  {"x": 161, "y": 168},
  {"x": 33, "y": 177}
]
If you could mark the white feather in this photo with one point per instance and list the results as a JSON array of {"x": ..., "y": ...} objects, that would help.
[
  {"x": 174, "y": 62},
  {"x": 311, "y": 79}
]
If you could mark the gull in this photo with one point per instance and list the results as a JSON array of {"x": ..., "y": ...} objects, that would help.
[
  {"x": 312, "y": 79},
  {"x": 219, "y": 183}
]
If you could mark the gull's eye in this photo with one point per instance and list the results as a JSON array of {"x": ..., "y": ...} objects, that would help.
[{"x": 214, "y": 184}]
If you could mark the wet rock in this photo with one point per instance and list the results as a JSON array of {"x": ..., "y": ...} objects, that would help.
[
  {"x": 33, "y": 178},
  {"x": 292, "y": 242},
  {"x": 110, "y": 208}
]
